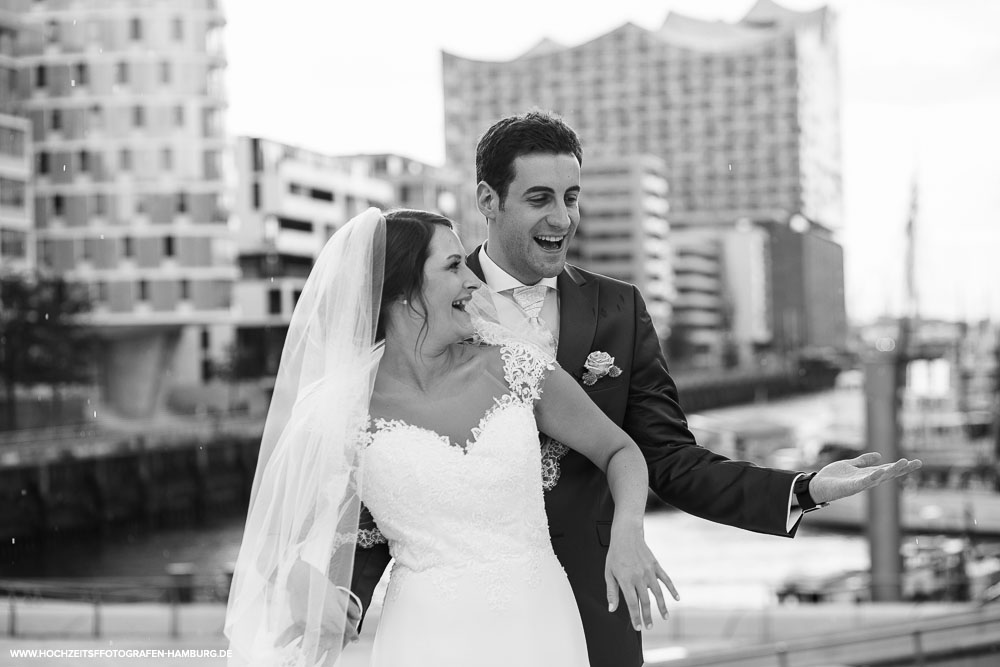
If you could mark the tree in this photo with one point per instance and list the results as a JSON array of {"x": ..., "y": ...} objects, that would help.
[{"x": 41, "y": 339}]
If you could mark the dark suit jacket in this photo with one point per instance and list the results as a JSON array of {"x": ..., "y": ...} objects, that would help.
[{"x": 600, "y": 313}]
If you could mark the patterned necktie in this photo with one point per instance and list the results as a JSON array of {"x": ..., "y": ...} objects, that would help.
[{"x": 531, "y": 299}]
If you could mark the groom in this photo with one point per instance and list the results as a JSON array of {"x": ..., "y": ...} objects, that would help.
[{"x": 528, "y": 172}]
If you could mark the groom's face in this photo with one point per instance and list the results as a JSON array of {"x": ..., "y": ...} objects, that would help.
[{"x": 530, "y": 233}]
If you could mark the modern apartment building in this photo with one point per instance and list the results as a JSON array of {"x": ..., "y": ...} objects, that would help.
[
  {"x": 126, "y": 104},
  {"x": 289, "y": 201},
  {"x": 702, "y": 310},
  {"x": 428, "y": 187},
  {"x": 745, "y": 115},
  {"x": 16, "y": 237},
  {"x": 808, "y": 310},
  {"x": 16, "y": 228},
  {"x": 623, "y": 230}
]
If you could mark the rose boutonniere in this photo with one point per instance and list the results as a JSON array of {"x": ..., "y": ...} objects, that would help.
[{"x": 598, "y": 365}]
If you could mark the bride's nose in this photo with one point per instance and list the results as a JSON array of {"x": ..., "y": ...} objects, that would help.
[{"x": 471, "y": 281}]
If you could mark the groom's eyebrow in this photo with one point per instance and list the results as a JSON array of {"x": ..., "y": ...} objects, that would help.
[{"x": 539, "y": 188}]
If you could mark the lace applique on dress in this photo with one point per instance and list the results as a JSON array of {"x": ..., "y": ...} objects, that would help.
[
  {"x": 524, "y": 369},
  {"x": 552, "y": 453}
]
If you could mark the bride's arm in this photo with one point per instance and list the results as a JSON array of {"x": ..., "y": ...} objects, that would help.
[{"x": 566, "y": 413}]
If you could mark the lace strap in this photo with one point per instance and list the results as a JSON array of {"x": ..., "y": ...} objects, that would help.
[{"x": 524, "y": 369}]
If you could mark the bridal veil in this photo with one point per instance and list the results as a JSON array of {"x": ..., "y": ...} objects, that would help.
[{"x": 289, "y": 590}]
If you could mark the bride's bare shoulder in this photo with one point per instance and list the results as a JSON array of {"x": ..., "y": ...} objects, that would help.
[{"x": 482, "y": 356}]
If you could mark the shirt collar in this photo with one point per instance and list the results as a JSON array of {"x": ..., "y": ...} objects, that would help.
[{"x": 499, "y": 280}]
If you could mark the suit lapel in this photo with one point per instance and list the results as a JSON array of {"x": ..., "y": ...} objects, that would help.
[{"x": 577, "y": 319}]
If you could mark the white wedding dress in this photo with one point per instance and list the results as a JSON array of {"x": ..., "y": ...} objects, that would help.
[{"x": 475, "y": 580}]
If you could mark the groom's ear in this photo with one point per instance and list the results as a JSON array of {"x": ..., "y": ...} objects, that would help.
[{"x": 487, "y": 200}]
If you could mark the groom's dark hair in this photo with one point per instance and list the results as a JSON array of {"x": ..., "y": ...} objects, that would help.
[
  {"x": 408, "y": 235},
  {"x": 525, "y": 134}
]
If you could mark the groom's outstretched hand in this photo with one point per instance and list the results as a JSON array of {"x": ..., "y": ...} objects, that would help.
[
  {"x": 845, "y": 478},
  {"x": 632, "y": 569}
]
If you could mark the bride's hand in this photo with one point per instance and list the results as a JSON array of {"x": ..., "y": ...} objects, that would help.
[
  {"x": 341, "y": 614},
  {"x": 632, "y": 568}
]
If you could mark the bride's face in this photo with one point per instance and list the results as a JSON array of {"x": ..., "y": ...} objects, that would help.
[{"x": 448, "y": 286}]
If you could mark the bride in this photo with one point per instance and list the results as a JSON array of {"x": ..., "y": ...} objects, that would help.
[{"x": 382, "y": 399}]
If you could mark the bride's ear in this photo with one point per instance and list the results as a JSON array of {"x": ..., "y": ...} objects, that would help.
[{"x": 487, "y": 200}]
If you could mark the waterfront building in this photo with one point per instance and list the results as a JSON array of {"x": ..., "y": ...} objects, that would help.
[
  {"x": 745, "y": 115},
  {"x": 16, "y": 229},
  {"x": 808, "y": 308},
  {"x": 624, "y": 231},
  {"x": 289, "y": 201},
  {"x": 16, "y": 233},
  {"x": 701, "y": 312},
  {"x": 126, "y": 104},
  {"x": 428, "y": 187}
]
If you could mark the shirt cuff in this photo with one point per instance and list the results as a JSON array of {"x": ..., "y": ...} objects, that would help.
[{"x": 794, "y": 513}]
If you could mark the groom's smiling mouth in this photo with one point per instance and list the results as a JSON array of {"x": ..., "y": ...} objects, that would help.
[{"x": 550, "y": 243}]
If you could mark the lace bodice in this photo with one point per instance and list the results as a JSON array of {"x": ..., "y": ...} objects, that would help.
[{"x": 452, "y": 508}]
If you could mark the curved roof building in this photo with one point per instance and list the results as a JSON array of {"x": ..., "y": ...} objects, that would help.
[{"x": 745, "y": 115}]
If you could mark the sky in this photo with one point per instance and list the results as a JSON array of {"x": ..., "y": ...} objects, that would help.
[{"x": 920, "y": 101}]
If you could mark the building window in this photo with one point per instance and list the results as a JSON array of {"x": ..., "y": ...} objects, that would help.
[
  {"x": 81, "y": 74},
  {"x": 127, "y": 246},
  {"x": 52, "y": 32},
  {"x": 185, "y": 290},
  {"x": 94, "y": 118},
  {"x": 11, "y": 192},
  {"x": 320, "y": 194},
  {"x": 40, "y": 76},
  {"x": 43, "y": 163},
  {"x": 100, "y": 205},
  {"x": 182, "y": 206},
  {"x": 256, "y": 196},
  {"x": 13, "y": 243},
  {"x": 143, "y": 290},
  {"x": 179, "y": 116},
  {"x": 166, "y": 159},
  {"x": 274, "y": 302},
  {"x": 206, "y": 338},
  {"x": 125, "y": 159},
  {"x": 138, "y": 116},
  {"x": 121, "y": 73},
  {"x": 164, "y": 72},
  {"x": 178, "y": 29},
  {"x": 135, "y": 30},
  {"x": 83, "y": 160},
  {"x": 102, "y": 291},
  {"x": 168, "y": 246},
  {"x": 11, "y": 141},
  {"x": 55, "y": 120},
  {"x": 58, "y": 205}
]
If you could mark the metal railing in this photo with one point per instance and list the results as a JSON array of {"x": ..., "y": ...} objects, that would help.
[{"x": 917, "y": 642}]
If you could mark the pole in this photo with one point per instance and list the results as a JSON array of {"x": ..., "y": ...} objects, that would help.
[{"x": 882, "y": 425}]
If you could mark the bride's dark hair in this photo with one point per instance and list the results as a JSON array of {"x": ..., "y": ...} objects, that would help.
[{"x": 408, "y": 236}]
